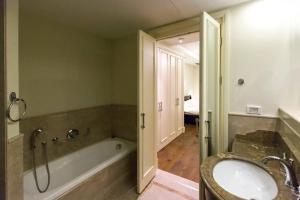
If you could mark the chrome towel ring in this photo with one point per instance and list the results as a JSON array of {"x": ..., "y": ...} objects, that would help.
[{"x": 14, "y": 100}]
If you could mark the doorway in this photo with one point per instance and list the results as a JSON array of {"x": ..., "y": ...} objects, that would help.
[
  {"x": 178, "y": 105},
  {"x": 209, "y": 120}
]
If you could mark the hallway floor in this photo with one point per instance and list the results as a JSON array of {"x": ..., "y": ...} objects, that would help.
[{"x": 181, "y": 156}]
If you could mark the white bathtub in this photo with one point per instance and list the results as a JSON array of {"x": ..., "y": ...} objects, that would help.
[{"x": 72, "y": 169}]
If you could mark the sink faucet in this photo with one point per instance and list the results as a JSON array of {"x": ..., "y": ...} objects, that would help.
[{"x": 291, "y": 178}]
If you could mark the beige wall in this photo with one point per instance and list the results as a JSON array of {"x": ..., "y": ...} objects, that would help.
[
  {"x": 14, "y": 166},
  {"x": 11, "y": 59},
  {"x": 62, "y": 68},
  {"x": 264, "y": 41},
  {"x": 191, "y": 79},
  {"x": 124, "y": 71},
  {"x": 294, "y": 90}
]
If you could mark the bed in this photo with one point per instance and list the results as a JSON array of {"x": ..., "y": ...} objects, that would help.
[{"x": 191, "y": 110}]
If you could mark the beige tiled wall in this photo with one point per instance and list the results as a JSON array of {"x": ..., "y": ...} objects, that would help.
[
  {"x": 15, "y": 168},
  {"x": 94, "y": 125},
  {"x": 241, "y": 124},
  {"x": 109, "y": 183},
  {"x": 286, "y": 126},
  {"x": 124, "y": 121},
  {"x": 289, "y": 130}
]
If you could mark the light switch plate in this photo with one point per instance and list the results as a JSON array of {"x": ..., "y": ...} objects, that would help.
[{"x": 254, "y": 110}]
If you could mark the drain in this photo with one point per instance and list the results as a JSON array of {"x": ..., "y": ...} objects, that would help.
[{"x": 118, "y": 146}]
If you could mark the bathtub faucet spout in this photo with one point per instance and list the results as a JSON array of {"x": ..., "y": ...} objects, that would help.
[{"x": 72, "y": 133}]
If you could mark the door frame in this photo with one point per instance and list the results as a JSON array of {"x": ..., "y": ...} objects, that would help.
[
  {"x": 3, "y": 128},
  {"x": 191, "y": 25},
  {"x": 184, "y": 27}
]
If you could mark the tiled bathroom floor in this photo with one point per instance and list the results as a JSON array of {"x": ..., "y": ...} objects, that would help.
[{"x": 166, "y": 186}]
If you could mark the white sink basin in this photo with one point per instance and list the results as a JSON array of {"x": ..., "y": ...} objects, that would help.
[{"x": 245, "y": 180}]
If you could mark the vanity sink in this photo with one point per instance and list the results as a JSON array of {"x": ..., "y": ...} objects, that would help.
[{"x": 245, "y": 180}]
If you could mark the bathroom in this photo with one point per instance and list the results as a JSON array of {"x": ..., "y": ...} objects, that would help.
[
  {"x": 81, "y": 76},
  {"x": 80, "y": 92}
]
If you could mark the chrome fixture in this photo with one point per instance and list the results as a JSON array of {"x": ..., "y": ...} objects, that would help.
[
  {"x": 72, "y": 133},
  {"x": 160, "y": 106},
  {"x": 288, "y": 165},
  {"x": 177, "y": 101},
  {"x": 241, "y": 81},
  {"x": 14, "y": 100},
  {"x": 55, "y": 139},
  {"x": 36, "y": 133},
  {"x": 143, "y": 120},
  {"x": 118, "y": 146}
]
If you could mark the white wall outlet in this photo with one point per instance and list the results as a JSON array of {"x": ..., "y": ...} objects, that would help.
[{"x": 254, "y": 110}]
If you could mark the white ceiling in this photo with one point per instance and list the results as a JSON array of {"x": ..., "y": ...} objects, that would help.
[
  {"x": 189, "y": 46},
  {"x": 192, "y": 49},
  {"x": 116, "y": 18},
  {"x": 188, "y": 38}
]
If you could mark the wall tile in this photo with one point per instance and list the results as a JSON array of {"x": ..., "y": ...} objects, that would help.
[
  {"x": 240, "y": 124},
  {"x": 124, "y": 121},
  {"x": 285, "y": 126},
  {"x": 94, "y": 125},
  {"x": 109, "y": 183},
  {"x": 290, "y": 135},
  {"x": 15, "y": 168}
]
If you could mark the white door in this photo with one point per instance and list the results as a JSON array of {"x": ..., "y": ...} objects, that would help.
[
  {"x": 209, "y": 85},
  {"x": 147, "y": 156},
  {"x": 162, "y": 98},
  {"x": 170, "y": 122}
]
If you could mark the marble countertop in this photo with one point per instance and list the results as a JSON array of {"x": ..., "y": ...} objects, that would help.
[{"x": 250, "y": 148}]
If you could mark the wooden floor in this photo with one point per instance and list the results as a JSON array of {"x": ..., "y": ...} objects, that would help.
[{"x": 181, "y": 156}]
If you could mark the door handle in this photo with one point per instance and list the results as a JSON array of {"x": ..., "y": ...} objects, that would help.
[
  {"x": 160, "y": 106},
  {"x": 208, "y": 126},
  {"x": 177, "y": 101},
  {"x": 207, "y": 137},
  {"x": 143, "y": 120}
]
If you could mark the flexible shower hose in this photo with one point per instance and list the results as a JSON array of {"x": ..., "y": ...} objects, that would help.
[{"x": 47, "y": 168}]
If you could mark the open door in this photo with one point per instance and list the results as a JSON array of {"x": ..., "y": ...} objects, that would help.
[
  {"x": 147, "y": 156},
  {"x": 209, "y": 85}
]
